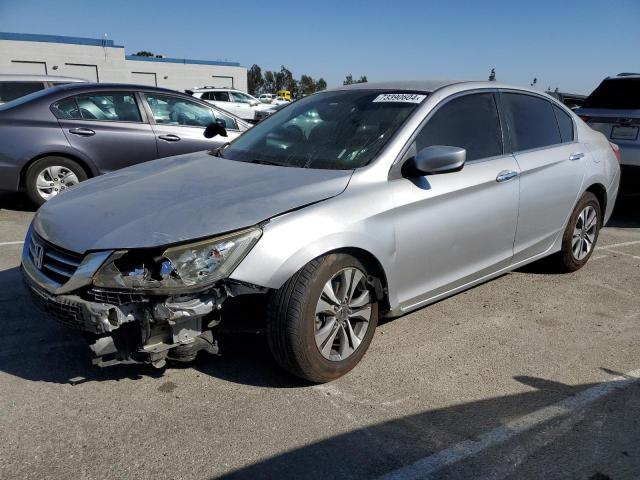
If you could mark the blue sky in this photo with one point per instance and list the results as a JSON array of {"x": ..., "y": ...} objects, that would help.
[{"x": 568, "y": 44}]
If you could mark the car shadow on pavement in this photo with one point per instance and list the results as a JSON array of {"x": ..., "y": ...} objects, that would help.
[
  {"x": 35, "y": 347},
  {"x": 16, "y": 202},
  {"x": 597, "y": 441}
]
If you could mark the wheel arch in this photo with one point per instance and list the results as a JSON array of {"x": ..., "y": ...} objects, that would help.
[
  {"x": 600, "y": 192},
  {"x": 374, "y": 268},
  {"x": 86, "y": 166}
]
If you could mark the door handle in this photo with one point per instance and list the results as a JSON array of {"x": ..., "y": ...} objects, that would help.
[
  {"x": 169, "y": 137},
  {"x": 506, "y": 175},
  {"x": 85, "y": 132},
  {"x": 576, "y": 156}
]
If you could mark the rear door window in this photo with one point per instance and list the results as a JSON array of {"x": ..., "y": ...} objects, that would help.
[
  {"x": 565, "y": 124},
  {"x": 470, "y": 122},
  {"x": 531, "y": 120},
  {"x": 115, "y": 107},
  {"x": 616, "y": 94},
  {"x": 12, "y": 90},
  {"x": 170, "y": 110},
  {"x": 221, "y": 96}
]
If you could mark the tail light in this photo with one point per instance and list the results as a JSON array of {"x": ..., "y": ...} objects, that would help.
[
  {"x": 585, "y": 118},
  {"x": 616, "y": 150}
]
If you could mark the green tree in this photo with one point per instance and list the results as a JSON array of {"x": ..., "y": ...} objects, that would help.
[
  {"x": 144, "y": 53},
  {"x": 492, "y": 75},
  {"x": 350, "y": 81},
  {"x": 307, "y": 85},
  {"x": 254, "y": 79},
  {"x": 269, "y": 85},
  {"x": 321, "y": 85}
]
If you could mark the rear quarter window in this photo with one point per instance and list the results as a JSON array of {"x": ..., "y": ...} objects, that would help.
[
  {"x": 66, "y": 109},
  {"x": 565, "y": 124}
]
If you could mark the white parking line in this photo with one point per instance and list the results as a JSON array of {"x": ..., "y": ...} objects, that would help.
[
  {"x": 623, "y": 244},
  {"x": 427, "y": 466},
  {"x": 621, "y": 253},
  {"x": 11, "y": 243}
]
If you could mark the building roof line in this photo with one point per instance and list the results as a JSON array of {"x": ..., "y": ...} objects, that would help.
[
  {"x": 138, "y": 58},
  {"x": 35, "y": 37}
]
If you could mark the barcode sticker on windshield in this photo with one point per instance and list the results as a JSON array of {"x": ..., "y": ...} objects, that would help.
[{"x": 400, "y": 97}]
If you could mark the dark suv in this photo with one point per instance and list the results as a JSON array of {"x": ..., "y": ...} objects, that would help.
[{"x": 52, "y": 139}]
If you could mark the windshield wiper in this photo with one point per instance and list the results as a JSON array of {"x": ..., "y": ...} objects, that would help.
[{"x": 268, "y": 162}]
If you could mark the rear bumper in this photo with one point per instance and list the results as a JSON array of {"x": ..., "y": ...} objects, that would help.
[{"x": 629, "y": 154}]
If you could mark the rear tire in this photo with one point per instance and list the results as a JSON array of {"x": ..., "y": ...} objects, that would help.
[
  {"x": 49, "y": 176},
  {"x": 316, "y": 325},
  {"x": 581, "y": 234}
]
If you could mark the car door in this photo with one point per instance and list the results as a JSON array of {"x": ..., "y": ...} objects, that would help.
[
  {"x": 552, "y": 166},
  {"x": 107, "y": 127},
  {"x": 454, "y": 228},
  {"x": 179, "y": 123},
  {"x": 243, "y": 105},
  {"x": 223, "y": 100}
]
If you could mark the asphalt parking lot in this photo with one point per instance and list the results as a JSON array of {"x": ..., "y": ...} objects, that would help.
[{"x": 533, "y": 375}]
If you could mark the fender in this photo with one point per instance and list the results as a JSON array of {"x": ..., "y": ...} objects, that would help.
[{"x": 312, "y": 232}]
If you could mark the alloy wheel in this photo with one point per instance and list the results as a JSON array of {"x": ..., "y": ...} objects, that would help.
[
  {"x": 584, "y": 233},
  {"x": 55, "y": 179},
  {"x": 343, "y": 313}
]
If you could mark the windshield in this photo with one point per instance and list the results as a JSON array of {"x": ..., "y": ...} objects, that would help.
[
  {"x": 338, "y": 130},
  {"x": 619, "y": 93}
]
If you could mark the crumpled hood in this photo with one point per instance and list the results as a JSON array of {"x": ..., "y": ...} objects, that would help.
[{"x": 177, "y": 199}]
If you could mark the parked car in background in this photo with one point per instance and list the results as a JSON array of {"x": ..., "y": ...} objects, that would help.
[
  {"x": 16, "y": 86},
  {"x": 53, "y": 139},
  {"x": 285, "y": 94},
  {"x": 262, "y": 114},
  {"x": 399, "y": 195},
  {"x": 571, "y": 100},
  {"x": 272, "y": 99},
  {"x": 234, "y": 101},
  {"x": 613, "y": 108}
]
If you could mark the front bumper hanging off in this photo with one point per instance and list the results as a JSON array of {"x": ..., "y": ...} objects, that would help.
[{"x": 125, "y": 327}]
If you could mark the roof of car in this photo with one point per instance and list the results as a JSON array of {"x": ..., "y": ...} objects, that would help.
[
  {"x": 36, "y": 78},
  {"x": 624, "y": 75},
  {"x": 112, "y": 86},
  {"x": 211, "y": 89},
  {"x": 409, "y": 85}
]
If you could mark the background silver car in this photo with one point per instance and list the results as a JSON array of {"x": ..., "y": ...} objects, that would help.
[{"x": 365, "y": 201}]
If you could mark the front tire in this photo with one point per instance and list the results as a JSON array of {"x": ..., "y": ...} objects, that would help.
[
  {"x": 322, "y": 320},
  {"x": 49, "y": 176},
  {"x": 581, "y": 234}
]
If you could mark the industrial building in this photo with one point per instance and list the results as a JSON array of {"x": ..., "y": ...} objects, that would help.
[{"x": 100, "y": 60}]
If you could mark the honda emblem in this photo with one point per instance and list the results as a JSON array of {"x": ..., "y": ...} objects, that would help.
[{"x": 38, "y": 255}]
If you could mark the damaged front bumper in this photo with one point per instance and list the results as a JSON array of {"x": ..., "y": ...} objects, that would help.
[
  {"x": 145, "y": 330},
  {"x": 124, "y": 325}
]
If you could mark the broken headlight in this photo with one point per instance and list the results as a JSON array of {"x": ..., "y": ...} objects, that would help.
[{"x": 184, "y": 267}]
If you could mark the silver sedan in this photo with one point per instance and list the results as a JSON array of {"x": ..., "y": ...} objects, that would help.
[{"x": 351, "y": 204}]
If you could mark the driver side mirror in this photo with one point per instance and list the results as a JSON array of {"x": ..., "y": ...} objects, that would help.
[
  {"x": 254, "y": 103},
  {"x": 434, "y": 160},
  {"x": 215, "y": 128}
]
